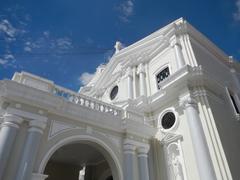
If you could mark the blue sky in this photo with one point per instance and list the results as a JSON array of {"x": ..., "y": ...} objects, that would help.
[{"x": 65, "y": 40}]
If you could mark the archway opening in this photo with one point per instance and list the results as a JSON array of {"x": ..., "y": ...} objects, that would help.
[{"x": 79, "y": 161}]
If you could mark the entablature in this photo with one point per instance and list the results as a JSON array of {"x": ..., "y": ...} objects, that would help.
[{"x": 64, "y": 103}]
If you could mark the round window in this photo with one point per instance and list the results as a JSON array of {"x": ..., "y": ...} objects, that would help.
[
  {"x": 168, "y": 120},
  {"x": 114, "y": 92}
]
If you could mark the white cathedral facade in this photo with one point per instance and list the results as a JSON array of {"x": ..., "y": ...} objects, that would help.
[{"x": 165, "y": 108}]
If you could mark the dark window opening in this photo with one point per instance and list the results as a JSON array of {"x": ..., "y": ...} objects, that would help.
[
  {"x": 110, "y": 178},
  {"x": 234, "y": 103},
  {"x": 114, "y": 92},
  {"x": 168, "y": 120},
  {"x": 162, "y": 75}
]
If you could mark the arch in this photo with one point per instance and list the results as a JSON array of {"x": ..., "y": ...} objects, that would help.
[{"x": 111, "y": 157}]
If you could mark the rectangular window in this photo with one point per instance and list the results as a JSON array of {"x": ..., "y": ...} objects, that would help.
[{"x": 162, "y": 75}]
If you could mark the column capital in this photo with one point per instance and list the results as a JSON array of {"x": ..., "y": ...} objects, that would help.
[
  {"x": 129, "y": 72},
  {"x": 129, "y": 148},
  {"x": 187, "y": 101},
  {"x": 143, "y": 151},
  {"x": 37, "y": 125},
  {"x": 11, "y": 120},
  {"x": 174, "y": 41},
  {"x": 141, "y": 68}
]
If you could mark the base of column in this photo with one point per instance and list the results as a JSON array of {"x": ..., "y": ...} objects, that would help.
[{"x": 37, "y": 176}]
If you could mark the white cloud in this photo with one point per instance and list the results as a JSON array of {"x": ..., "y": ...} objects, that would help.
[
  {"x": 7, "y": 30},
  {"x": 126, "y": 10},
  {"x": 7, "y": 60},
  {"x": 89, "y": 40},
  {"x": 27, "y": 49},
  {"x": 85, "y": 78},
  {"x": 64, "y": 43},
  {"x": 46, "y": 33},
  {"x": 3, "y": 61},
  {"x": 236, "y": 15},
  {"x": 9, "y": 57}
]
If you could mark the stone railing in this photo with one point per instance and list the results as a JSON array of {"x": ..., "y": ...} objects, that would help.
[
  {"x": 71, "y": 96},
  {"x": 86, "y": 101}
]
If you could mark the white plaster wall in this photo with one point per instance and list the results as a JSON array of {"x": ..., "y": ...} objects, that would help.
[
  {"x": 122, "y": 91},
  {"x": 228, "y": 129},
  {"x": 210, "y": 62}
]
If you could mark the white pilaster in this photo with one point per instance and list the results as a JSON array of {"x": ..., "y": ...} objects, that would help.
[
  {"x": 142, "y": 81},
  {"x": 8, "y": 132},
  {"x": 30, "y": 150},
  {"x": 129, "y": 154},
  {"x": 130, "y": 82},
  {"x": 204, "y": 162},
  {"x": 176, "y": 45},
  {"x": 142, "y": 153},
  {"x": 135, "y": 87}
]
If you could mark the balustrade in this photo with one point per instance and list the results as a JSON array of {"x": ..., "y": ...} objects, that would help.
[{"x": 85, "y": 101}]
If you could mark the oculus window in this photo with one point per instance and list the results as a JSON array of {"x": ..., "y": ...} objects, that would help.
[
  {"x": 162, "y": 75},
  {"x": 168, "y": 120},
  {"x": 114, "y": 92}
]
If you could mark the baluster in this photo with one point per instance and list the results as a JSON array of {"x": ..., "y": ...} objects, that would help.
[
  {"x": 86, "y": 103},
  {"x": 76, "y": 100},
  {"x": 92, "y": 105},
  {"x": 97, "y": 107},
  {"x": 101, "y": 108},
  {"x": 82, "y": 102},
  {"x": 106, "y": 109}
]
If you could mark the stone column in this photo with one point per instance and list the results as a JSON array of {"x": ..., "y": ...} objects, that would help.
[
  {"x": 142, "y": 81},
  {"x": 8, "y": 132},
  {"x": 30, "y": 150},
  {"x": 176, "y": 45},
  {"x": 129, "y": 153},
  {"x": 130, "y": 82},
  {"x": 166, "y": 158},
  {"x": 143, "y": 163},
  {"x": 202, "y": 154}
]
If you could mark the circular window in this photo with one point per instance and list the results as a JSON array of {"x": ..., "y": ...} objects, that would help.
[
  {"x": 114, "y": 92},
  {"x": 168, "y": 120}
]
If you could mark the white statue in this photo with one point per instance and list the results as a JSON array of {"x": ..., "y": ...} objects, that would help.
[
  {"x": 118, "y": 46},
  {"x": 82, "y": 173}
]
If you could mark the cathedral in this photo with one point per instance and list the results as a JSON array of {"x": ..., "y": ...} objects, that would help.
[{"x": 164, "y": 108}]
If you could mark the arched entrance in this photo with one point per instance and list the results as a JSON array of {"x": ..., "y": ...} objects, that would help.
[{"x": 78, "y": 156}]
